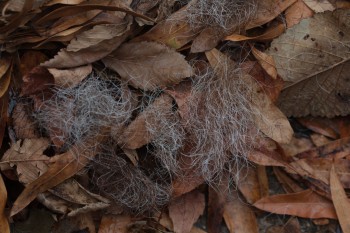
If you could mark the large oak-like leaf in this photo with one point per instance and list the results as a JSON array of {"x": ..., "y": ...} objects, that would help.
[{"x": 148, "y": 65}]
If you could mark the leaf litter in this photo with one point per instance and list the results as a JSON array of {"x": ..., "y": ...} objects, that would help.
[{"x": 138, "y": 116}]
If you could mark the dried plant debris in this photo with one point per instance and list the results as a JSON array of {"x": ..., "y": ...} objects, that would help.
[
  {"x": 228, "y": 15},
  {"x": 221, "y": 121},
  {"x": 76, "y": 114}
]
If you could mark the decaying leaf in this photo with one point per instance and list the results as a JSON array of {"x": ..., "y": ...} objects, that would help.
[
  {"x": 340, "y": 201},
  {"x": 148, "y": 65},
  {"x": 70, "y": 77},
  {"x": 185, "y": 210},
  {"x": 297, "y": 12},
  {"x": 239, "y": 217},
  {"x": 266, "y": 61},
  {"x": 4, "y": 224},
  {"x": 114, "y": 224},
  {"x": 306, "y": 204},
  {"x": 23, "y": 123},
  {"x": 319, "y": 6}
]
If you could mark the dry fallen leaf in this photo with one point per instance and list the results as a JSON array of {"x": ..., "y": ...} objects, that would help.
[
  {"x": 297, "y": 12},
  {"x": 148, "y": 65},
  {"x": 114, "y": 224},
  {"x": 70, "y": 77},
  {"x": 239, "y": 216},
  {"x": 306, "y": 204},
  {"x": 185, "y": 210},
  {"x": 319, "y": 6},
  {"x": 340, "y": 201},
  {"x": 266, "y": 61},
  {"x": 4, "y": 224}
]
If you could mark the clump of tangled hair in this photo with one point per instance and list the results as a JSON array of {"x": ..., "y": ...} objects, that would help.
[
  {"x": 228, "y": 15},
  {"x": 128, "y": 185},
  {"x": 164, "y": 127},
  {"x": 221, "y": 122},
  {"x": 75, "y": 114}
]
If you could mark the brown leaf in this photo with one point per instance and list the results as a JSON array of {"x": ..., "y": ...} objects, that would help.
[
  {"x": 36, "y": 81},
  {"x": 296, "y": 146},
  {"x": 207, "y": 40},
  {"x": 269, "y": 34},
  {"x": 185, "y": 210},
  {"x": 70, "y": 77},
  {"x": 319, "y": 139},
  {"x": 31, "y": 59},
  {"x": 5, "y": 74},
  {"x": 239, "y": 217},
  {"x": 305, "y": 204},
  {"x": 248, "y": 184},
  {"x": 263, "y": 181},
  {"x": 288, "y": 184},
  {"x": 268, "y": 10},
  {"x": 114, "y": 224},
  {"x": 297, "y": 12},
  {"x": 23, "y": 122},
  {"x": 325, "y": 126},
  {"x": 63, "y": 166},
  {"x": 174, "y": 31},
  {"x": 340, "y": 201},
  {"x": 148, "y": 65},
  {"x": 136, "y": 134},
  {"x": 319, "y": 6},
  {"x": 266, "y": 61},
  {"x": 216, "y": 205},
  {"x": 28, "y": 159},
  {"x": 4, "y": 224}
]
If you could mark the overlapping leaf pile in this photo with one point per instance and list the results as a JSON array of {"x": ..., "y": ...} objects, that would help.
[{"x": 127, "y": 116}]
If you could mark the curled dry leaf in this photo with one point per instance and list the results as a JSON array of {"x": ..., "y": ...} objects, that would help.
[
  {"x": 185, "y": 210},
  {"x": 5, "y": 75},
  {"x": 4, "y": 224},
  {"x": 148, "y": 65},
  {"x": 319, "y": 6},
  {"x": 239, "y": 216},
  {"x": 62, "y": 167},
  {"x": 70, "y": 77},
  {"x": 340, "y": 201},
  {"x": 266, "y": 61},
  {"x": 305, "y": 204}
]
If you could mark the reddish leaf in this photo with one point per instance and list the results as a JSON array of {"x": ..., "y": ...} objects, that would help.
[
  {"x": 185, "y": 210},
  {"x": 306, "y": 204},
  {"x": 36, "y": 81}
]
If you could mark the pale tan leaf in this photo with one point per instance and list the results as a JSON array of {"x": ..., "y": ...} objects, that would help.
[
  {"x": 266, "y": 61},
  {"x": 185, "y": 210},
  {"x": 148, "y": 65},
  {"x": 28, "y": 159},
  {"x": 114, "y": 224},
  {"x": 314, "y": 45},
  {"x": 340, "y": 201},
  {"x": 239, "y": 217},
  {"x": 319, "y": 6},
  {"x": 4, "y": 224},
  {"x": 297, "y": 12},
  {"x": 70, "y": 77}
]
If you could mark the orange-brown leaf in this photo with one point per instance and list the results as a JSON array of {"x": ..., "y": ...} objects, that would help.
[
  {"x": 185, "y": 210},
  {"x": 340, "y": 201},
  {"x": 306, "y": 204}
]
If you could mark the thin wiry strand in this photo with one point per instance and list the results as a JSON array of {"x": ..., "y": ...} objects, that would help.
[
  {"x": 228, "y": 15},
  {"x": 75, "y": 114},
  {"x": 220, "y": 124},
  {"x": 128, "y": 185},
  {"x": 163, "y": 125}
]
